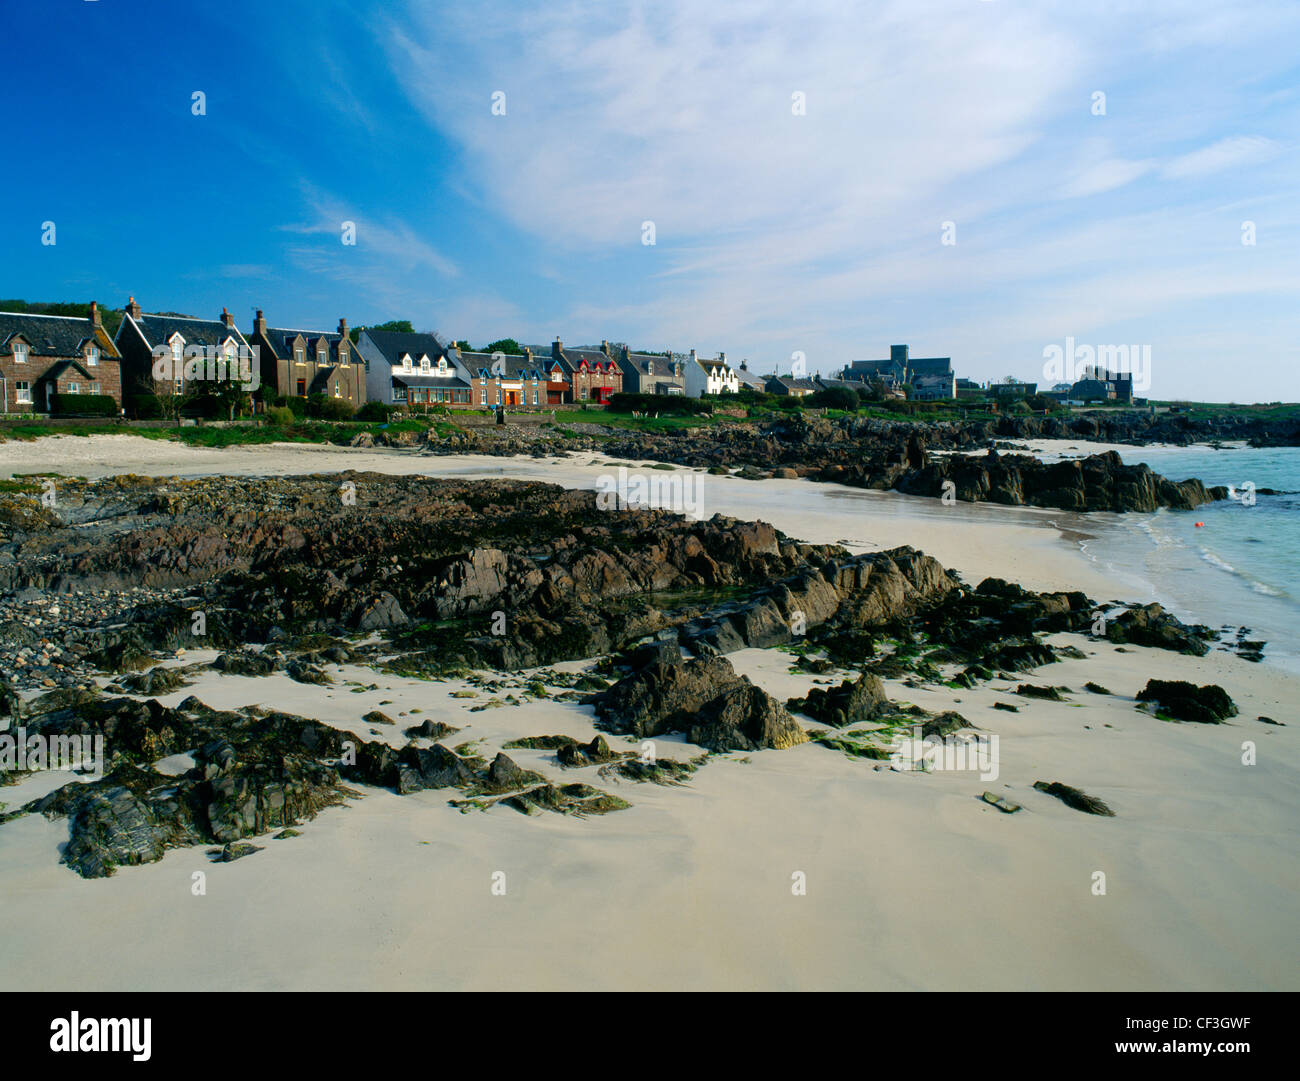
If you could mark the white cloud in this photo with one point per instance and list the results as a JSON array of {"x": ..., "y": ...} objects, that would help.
[
  {"x": 1232, "y": 152},
  {"x": 822, "y": 232}
]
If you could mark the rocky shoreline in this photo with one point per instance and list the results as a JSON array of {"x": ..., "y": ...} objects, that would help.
[
  {"x": 490, "y": 582},
  {"x": 915, "y": 459}
]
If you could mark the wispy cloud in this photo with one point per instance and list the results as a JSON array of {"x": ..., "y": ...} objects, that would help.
[
  {"x": 1230, "y": 153},
  {"x": 819, "y": 228}
]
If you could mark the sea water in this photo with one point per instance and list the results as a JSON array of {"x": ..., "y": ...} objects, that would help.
[{"x": 1232, "y": 563}]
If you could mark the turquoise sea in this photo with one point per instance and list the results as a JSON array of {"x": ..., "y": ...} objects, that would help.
[{"x": 1240, "y": 566}]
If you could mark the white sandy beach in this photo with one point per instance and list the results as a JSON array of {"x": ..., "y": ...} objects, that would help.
[{"x": 912, "y": 881}]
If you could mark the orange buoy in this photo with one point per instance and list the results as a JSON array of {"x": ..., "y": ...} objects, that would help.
[{"x": 1199, "y": 524}]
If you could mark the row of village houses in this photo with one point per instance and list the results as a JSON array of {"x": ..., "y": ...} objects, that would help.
[{"x": 44, "y": 355}]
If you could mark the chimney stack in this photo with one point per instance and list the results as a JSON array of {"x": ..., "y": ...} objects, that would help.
[
  {"x": 95, "y": 322},
  {"x": 604, "y": 346},
  {"x": 343, "y": 328},
  {"x": 259, "y": 323},
  {"x": 132, "y": 308},
  {"x": 227, "y": 319}
]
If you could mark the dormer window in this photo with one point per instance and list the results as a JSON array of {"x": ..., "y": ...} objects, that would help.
[
  {"x": 424, "y": 365},
  {"x": 406, "y": 362},
  {"x": 345, "y": 354},
  {"x": 92, "y": 355},
  {"x": 442, "y": 365},
  {"x": 322, "y": 355},
  {"x": 178, "y": 352},
  {"x": 229, "y": 350},
  {"x": 20, "y": 352},
  {"x": 299, "y": 355},
  {"x": 649, "y": 367}
]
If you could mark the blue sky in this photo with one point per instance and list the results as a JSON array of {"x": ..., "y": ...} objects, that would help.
[{"x": 775, "y": 232}]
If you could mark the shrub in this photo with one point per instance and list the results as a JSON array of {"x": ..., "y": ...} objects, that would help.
[
  {"x": 657, "y": 403},
  {"x": 336, "y": 409},
  {"x": 295, "y": 404},
  {"x": 146, "y": 406},
  {"x": 835, "y": 398},
  {"x": 83, "y": 405},
  {"x": 376, "y": 411},
  {"x": 280, "y": 415}
]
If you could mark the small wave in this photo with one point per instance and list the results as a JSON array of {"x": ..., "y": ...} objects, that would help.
[
  {"x": 1267, "y": 590},
  {"x": 1215, "y": 561}
]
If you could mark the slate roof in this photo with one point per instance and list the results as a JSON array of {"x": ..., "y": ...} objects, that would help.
[
  {"x": 393, "y": 343},
  {"x": 663, "y": 366},
  {"x": 158, "y": 330},
  {"x": 516, "y": 365},
  {"x": 866, "y": 369},
  {"x": 55, "y": 372},
  {"x": 829, "y": 381},
  {"x": 930, "y": 365},
  {"x": 282, "y": 342},
  {"x": 50, "y": 335},
  {"x": 792, "y": 383},
  {"x": 575, "y": 357}
]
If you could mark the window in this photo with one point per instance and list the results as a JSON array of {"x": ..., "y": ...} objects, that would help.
[
  {"x": 72, "y": 388},
  {"x": 230, "y": 358},
  {"x": 406, "y": 362},
  {"x": 337, "y": 393},
  {"x": 534, "y": 395},
  {"x": 23, "y": 392},
  {"x": 345, "y": 354},
  {"x": 442, "y": 365},
  {"x": 178, "y": 360},
  {"x": 92, "y": 355},
  {"x": 20, "y": 352},
  {"x": 322, "y": 356},
  {"x": 424, "y": 364},
  {"x": 302, "y": 388},
  {"x": 299, "y": 357},
  {"x": 94, "y": 388},
  {"x": 180, "y": 386}
]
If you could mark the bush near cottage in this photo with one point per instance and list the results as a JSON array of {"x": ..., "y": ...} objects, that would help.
[
  {"x": 280, "y": 415},
  {"x": 834, "y": 398},
  {"x": 657, "y": 403},
  {"x": 296, "y": 405},
  {"x": 83, "y": 405},
  {"x": 377, "y": 411},
  {"x": 146, "y": 406},
  {"x": 336, "y": 409}
]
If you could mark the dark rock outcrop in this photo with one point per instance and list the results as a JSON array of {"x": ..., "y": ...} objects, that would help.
[
  {"x": 702, "y": 698},
  {"x": 1183, "y": 701}
]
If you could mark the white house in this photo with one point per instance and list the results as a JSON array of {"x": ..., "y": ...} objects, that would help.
[
  {"x": 714, "y": 376},
  {"x": 407, "y": 369}
]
